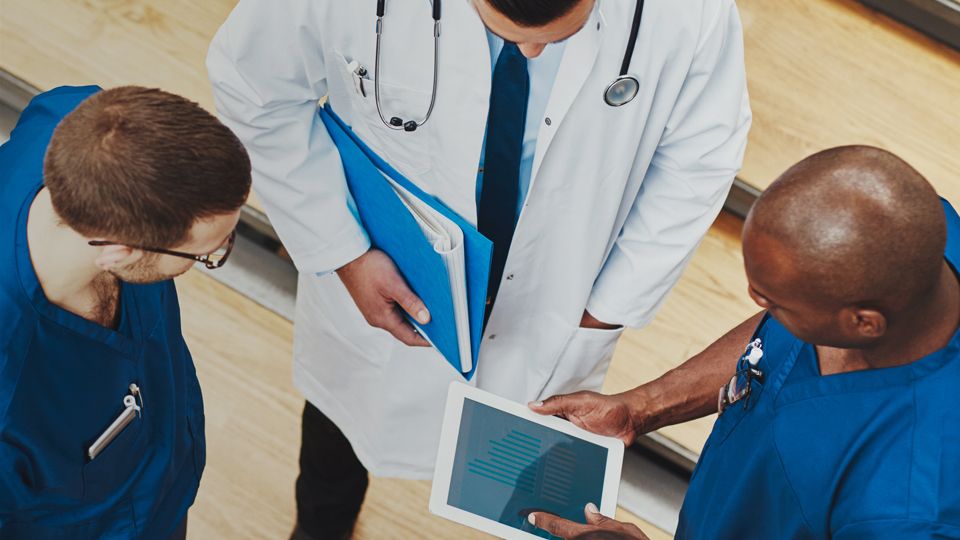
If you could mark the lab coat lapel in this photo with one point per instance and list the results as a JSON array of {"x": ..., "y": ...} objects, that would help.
[
  {"x": 463, "y": 102},
  {"x": 578, "y": 59}
]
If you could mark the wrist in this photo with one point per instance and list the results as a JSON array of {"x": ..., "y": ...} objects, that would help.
[
  {"x": 644, "y": 408},
  {"x": 589, "y": 321},
  {"x": 346, "y": 268}
]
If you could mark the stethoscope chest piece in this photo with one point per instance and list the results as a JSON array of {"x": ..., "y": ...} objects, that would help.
[{"x": 621, "y": 91}]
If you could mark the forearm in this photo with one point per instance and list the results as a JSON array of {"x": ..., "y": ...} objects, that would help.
[{"x": 689, "y": 391}]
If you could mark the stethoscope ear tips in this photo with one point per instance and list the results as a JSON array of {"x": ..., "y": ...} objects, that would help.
[{"x": 410, "y": 125}]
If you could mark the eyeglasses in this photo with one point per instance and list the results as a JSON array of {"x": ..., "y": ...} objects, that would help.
[{"x": 212, "y": 260}]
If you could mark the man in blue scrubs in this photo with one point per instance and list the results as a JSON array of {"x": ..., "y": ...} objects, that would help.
[
  {"x": 843, "y": 418},
  {"x": 105, "y": 196}
]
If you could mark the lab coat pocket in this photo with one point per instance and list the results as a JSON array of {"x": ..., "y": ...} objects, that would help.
[
  {"x": 407, "y": 151},
  {"x": 584, "y": 361},
  {"x": 118, "y": 464}
]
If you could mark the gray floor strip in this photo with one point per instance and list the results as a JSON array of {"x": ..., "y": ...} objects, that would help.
[{"x": 651, "y": 491}]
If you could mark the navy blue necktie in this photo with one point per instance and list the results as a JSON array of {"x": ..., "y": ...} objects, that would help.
[{"x": 497, "y": 211}]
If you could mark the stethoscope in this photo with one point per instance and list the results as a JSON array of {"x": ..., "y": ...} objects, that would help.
[{"x": 618, "y": 93}]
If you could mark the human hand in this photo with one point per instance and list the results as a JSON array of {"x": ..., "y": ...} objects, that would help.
[
  {"x": 589, "y": 321},
  {"x": 597, "y": 527},
  {"x": 382, "y": 295},
  {"x": 596, "y": 413}
]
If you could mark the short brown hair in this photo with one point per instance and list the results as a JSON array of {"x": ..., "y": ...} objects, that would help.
[{"x": 141, "y": 166}]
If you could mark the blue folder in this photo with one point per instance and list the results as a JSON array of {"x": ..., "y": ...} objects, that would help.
[{"x": 393, "y": 230}]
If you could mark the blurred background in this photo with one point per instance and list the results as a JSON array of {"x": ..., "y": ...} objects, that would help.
[{"x": 821, "y": 73}]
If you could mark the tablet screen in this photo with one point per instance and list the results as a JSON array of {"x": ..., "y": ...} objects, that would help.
[{"x": 506, "y": 467}]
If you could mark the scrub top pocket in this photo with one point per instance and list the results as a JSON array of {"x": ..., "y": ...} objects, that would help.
[
  {"x": 117, "y": 464},
  {"x": 731, "y": 417},
  {"x": 407, "y": 151}
]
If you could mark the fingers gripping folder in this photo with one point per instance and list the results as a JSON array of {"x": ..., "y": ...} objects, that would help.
[{"x": 444, "y": 258}]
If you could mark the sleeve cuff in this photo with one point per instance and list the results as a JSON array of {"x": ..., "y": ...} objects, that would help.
[
  {"x": 333, "y": 256},
  {"x": 606, "y": 312}
]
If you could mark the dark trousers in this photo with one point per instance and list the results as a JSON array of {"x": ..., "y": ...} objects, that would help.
[{"x": 332, "y": 482}]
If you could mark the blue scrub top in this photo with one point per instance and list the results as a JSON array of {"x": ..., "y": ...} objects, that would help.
[
  {"x": 861, "y": 455},
  {"x": 63, "y": 379}
]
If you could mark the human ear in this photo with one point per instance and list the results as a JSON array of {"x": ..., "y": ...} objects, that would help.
[
  {"x": 116, "y": 256},
  {"x": 869, "y": 323}
]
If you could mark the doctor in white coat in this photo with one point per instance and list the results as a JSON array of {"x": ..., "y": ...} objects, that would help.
[{"x": 611, "y": 201}]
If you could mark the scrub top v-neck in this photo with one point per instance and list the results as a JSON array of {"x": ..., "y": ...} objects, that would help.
[
  {"x": 858, "y": 455},
  {"x": 63, "y": 380},
  {"x": 123, "y": 339}
]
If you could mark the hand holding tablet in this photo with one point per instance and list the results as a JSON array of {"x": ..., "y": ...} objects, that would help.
[
  {"x": 498, "y": 462},
  {"x": 598, "y": 527}
]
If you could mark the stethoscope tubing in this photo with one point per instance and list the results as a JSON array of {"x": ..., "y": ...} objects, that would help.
[
  {"x": 632, "y": 41},
  {"x": 436, "y": 70},
  {"x": 403, "y": 126}
]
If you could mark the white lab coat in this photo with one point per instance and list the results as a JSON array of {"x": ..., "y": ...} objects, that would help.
[{"x": 618, "y": 201}]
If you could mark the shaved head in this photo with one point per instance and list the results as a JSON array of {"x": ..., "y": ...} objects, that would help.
[{"x": 853, "y": 225}]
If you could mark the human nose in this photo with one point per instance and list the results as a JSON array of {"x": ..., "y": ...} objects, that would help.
[{"x": 531, "y": 50}]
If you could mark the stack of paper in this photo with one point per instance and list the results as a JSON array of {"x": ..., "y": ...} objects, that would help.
[{"x": 447, "y": 240}]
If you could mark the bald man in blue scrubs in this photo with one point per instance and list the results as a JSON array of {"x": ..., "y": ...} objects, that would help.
[{"x": 840, "y": 404}]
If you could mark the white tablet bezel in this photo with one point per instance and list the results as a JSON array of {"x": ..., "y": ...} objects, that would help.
[{"x": 448, "y": 445}]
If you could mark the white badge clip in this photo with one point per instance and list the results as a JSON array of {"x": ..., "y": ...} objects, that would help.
[{"x": 754, "y": 352}]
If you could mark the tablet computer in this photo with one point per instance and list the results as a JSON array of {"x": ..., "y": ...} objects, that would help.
[{"x": 499, "y": 461}]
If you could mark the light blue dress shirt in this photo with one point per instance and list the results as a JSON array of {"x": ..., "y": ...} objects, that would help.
[{"x": 543, "y": 73}]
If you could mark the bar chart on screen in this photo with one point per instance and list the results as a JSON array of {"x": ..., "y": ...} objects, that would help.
[{"x": 506, "y": 467}]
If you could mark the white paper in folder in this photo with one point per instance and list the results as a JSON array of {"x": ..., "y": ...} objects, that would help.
[{"x": 447, "y": 240}]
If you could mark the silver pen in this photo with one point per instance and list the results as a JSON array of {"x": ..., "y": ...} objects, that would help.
[{"x": 130, "y": 411}]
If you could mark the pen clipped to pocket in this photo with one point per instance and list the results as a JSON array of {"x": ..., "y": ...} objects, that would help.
[
  {"x": 131, "y": 411},
  {"x": 359, "y": 76}
]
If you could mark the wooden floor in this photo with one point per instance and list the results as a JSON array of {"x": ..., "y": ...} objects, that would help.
[
  {"x": 825, "y": 73},
  {"x": 243, "y": 355}
]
